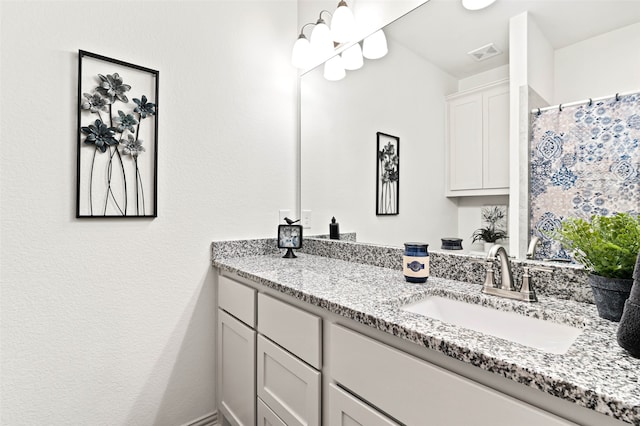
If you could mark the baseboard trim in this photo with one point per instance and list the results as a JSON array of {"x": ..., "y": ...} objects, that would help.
[{"x": 210, "y": 419}]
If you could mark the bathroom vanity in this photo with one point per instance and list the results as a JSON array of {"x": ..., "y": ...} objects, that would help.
[{"x": 319, "y": 340}]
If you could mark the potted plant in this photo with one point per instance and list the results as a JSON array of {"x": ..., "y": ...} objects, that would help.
[
  {"x": 493, "y": 218},
  {"x": 608, "y": 247}
]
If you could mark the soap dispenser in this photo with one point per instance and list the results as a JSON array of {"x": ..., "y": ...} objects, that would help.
[{"x": 334, "y": 229}]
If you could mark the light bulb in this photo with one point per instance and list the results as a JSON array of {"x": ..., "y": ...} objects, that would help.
[
  {"x": 352, "y": 57},
  {"x": 343, "y": 24},
  {"x": 476, "y": 4},
  {"x": 334, "y": 69},
  {"x": 375, "y": 46},
  {"x": 301, "y": 55},
  {"x": 321, "y": 41}
]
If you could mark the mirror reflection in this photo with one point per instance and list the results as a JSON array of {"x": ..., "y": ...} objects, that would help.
[{"x": 420, "y": 92}]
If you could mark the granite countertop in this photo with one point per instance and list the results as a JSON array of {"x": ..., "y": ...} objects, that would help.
[{"x": 595, "y": 372}]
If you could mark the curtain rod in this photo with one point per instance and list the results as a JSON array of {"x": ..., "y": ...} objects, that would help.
[{"x": 589, "y": 101}]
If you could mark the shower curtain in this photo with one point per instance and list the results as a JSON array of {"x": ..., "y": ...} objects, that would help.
[{"x": 584, "y": 160}]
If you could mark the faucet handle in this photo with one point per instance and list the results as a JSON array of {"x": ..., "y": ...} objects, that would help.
[
  {"x": 489, "y": 280},
  {"x": 527, "y": 289}
]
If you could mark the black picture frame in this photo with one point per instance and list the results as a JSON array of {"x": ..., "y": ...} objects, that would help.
[
  {"x": 290, "y": 236},
  {"x": 117, "y": 139},
  {"x": 387, "y": 174}
]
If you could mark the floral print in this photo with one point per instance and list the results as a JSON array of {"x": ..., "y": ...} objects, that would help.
[{"x": 584, "y": 160}]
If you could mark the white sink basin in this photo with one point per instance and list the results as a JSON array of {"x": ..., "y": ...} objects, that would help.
[{"x": 536, "y": 333}]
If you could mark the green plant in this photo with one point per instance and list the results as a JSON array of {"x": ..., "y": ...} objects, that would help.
[
  {"x": 492, "y": 232},
  {"x": 606, "y": 245},
  {"x": 489, "y": 234}
]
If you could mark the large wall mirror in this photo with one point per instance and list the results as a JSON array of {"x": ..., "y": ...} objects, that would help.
[{"x": 404, "y": 95}]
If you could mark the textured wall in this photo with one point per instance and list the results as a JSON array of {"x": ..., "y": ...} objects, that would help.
[{"x": 110, "y": 322}]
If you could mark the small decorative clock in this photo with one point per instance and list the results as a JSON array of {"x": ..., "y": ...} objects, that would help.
[{"x": 289, "y": 237}]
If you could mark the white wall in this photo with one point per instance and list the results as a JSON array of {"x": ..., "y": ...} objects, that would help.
[
  {"x": 486, "y": 77},
  {"x": 540, "y": 61},
  {"x": 518, "y": 133},
  {"x": 402, "y": 95},
  {"x": 598, "y": 67},
  {"x": 111, "y": 322}
]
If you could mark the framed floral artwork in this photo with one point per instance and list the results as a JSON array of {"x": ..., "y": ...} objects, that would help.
[
  {"x": 387, "y": 174},
  {"x": 117, "y": 141}
]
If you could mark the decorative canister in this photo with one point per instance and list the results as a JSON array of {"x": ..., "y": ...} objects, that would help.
[
  {"x": 451, "y": 244},
  {"x": 415, "y": 262}
]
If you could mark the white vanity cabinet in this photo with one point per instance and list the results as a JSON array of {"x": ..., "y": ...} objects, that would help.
[
  {"x": 236, "y": 352},
  {"x": 269, "y": 359},
  {"x": 478, "y": 141},
  {"x": 282, "y": 361},
  {"x": 417, "y": 392}
]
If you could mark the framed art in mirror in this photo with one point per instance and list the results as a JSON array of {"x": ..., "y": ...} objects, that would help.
[
  {"x": 387, "y": 174},
  {"x": 117, "y": 138}
]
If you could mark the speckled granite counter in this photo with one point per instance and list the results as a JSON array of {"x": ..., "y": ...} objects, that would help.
[{"x": 595, "y": 372}]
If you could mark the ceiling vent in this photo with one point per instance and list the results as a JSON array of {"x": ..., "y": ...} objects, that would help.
[{"x": 484, "y": 52}]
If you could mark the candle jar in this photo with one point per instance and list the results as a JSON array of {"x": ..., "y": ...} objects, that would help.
[{"x": 415, "y": 262}]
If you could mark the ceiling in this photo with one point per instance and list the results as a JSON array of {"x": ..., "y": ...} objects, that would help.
[{"x": 442, "y": 31}]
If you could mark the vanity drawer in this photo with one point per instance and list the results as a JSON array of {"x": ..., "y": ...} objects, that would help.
[
  {"x": 346, "y": 410},
  {"x": 297, "y": 331},
  {"x": 287, "y": 385},
  {"x": 266, "y": 417},
  {"x": 237, "y": 299},
  {"x": 397, "y": 383}
]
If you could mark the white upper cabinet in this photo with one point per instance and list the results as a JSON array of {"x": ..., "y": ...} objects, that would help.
[{"x": 478, "y": 141}]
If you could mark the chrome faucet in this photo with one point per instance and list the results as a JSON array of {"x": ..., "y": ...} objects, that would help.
[
  {"x": 531, "y": 251},
  {"x": 507, "y": 287}
]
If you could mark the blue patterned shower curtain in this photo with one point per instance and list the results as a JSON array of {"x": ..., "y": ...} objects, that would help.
[{"x": 584, "y": 160}]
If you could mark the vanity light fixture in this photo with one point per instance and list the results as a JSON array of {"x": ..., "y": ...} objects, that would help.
[
  {"x": 321, "y": 44},
  {"x": 375, "y": 46},
  {"x": 343, "y": 24},
  {"x": 334, "y": 69},
  {"x": 321, "y": 39},
  {"x": 301, "y": 56},
  {"x": 352, "y": 58},
  {"x": 476, "y": 4}
]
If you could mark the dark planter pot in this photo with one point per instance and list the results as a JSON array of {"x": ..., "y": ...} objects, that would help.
[{"x": 610, "y": 295}]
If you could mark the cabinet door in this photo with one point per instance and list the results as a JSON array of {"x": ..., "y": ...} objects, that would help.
[
  {"x": 266, "y": 417},
  {"x": 236, "y": 370},
  {"x": 287, "y": 385},
  {"x": 465, "y": 142},
  {"x": 496, "y": 137},
  {"x": 345, "y": 410}
]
